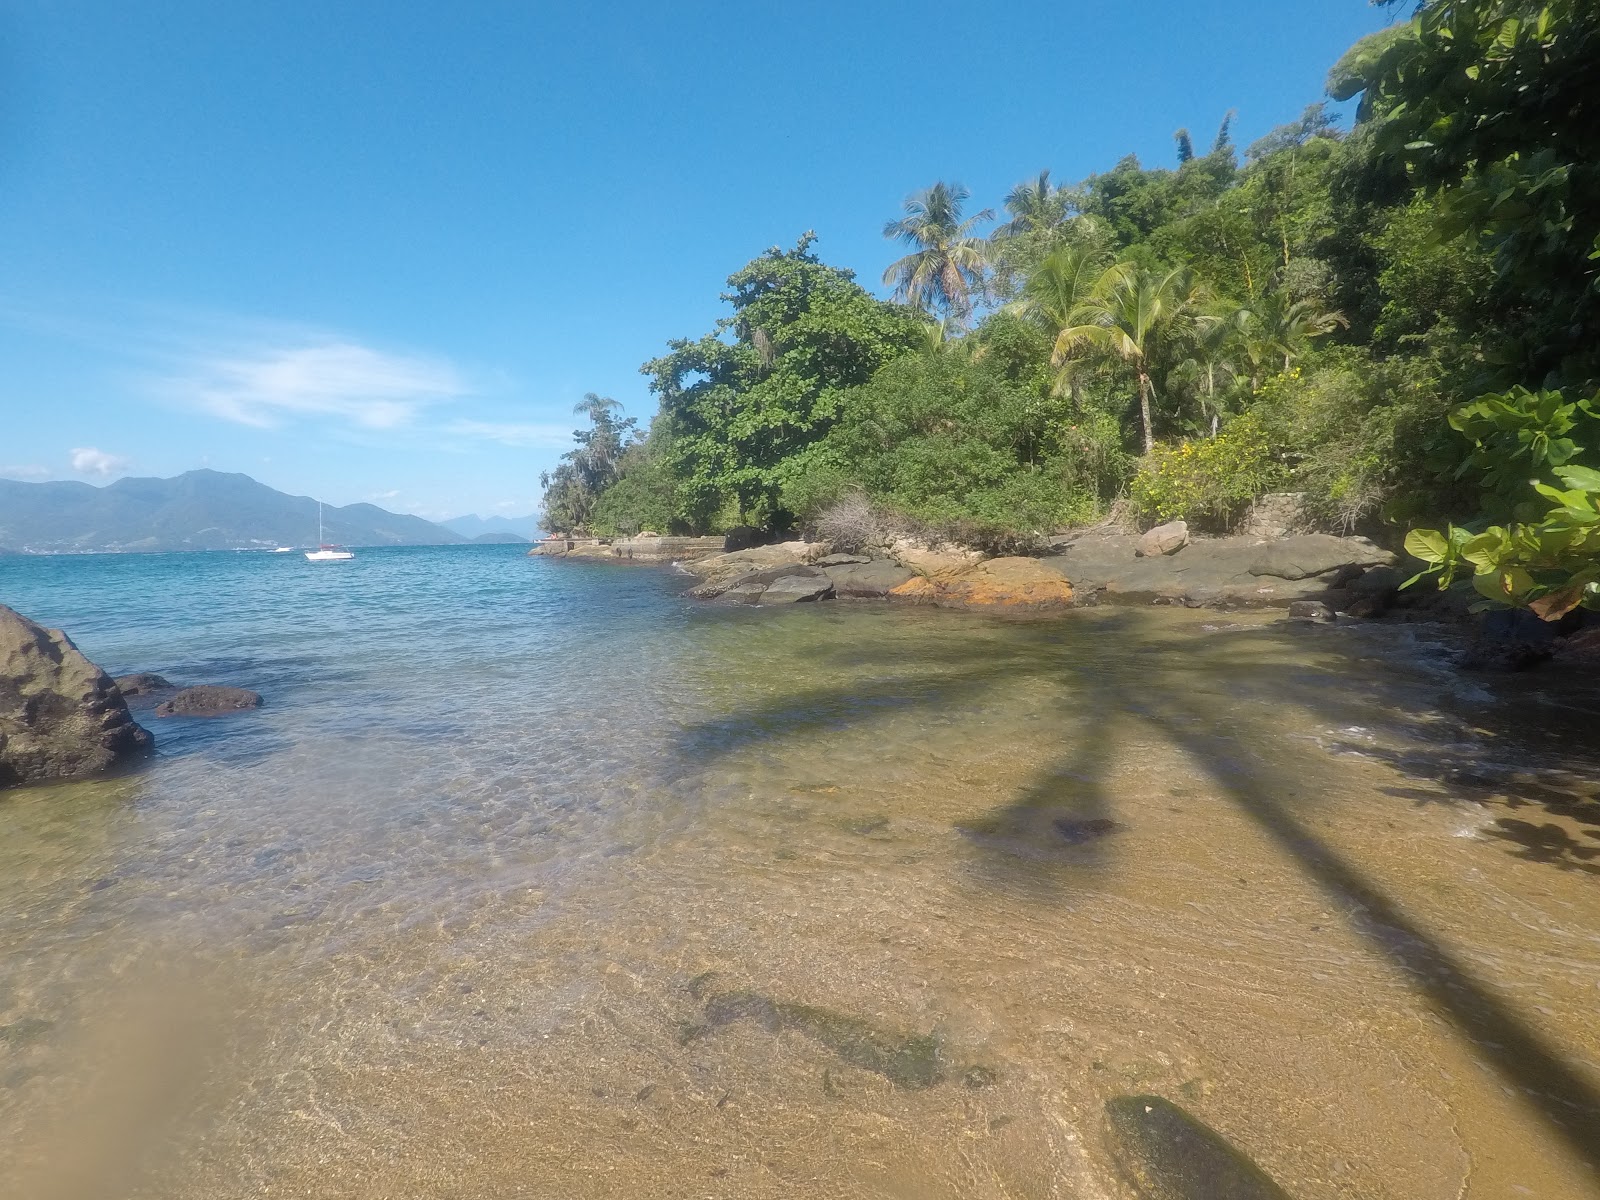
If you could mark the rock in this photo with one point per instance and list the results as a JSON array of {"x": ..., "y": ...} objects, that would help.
[
  {"x": 208, "y": 700},
  {"x": 1092, "y": 559},
  {"x": 1379, "y": 581},
  {"x": 785, "y": 584},
  {"x": 1310, "y": 610},
  {"x": 840, "y": 560},
  {"x": 927, "y": 560},
  {"x": 721, "y": 567},
  {"x": 1309, "y": 554},
  {"x": 1011, "y": 583},
  {"x": 866, "y": 579},
  {"x": 1170, "y": 1155},
  {"x": 1163, "y": 539},
  {"x": 1510, "y": 639},
  {"x": 61, "y": 717},
  {"x": 142, "y": 684},
  {"x": 1582, "y": 649}
]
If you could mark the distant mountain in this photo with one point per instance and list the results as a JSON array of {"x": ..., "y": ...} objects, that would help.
[
  {"x": 470, "y": 526},
  {"x": 198, "y": 510},
  {"x": 499, "y": 537}
]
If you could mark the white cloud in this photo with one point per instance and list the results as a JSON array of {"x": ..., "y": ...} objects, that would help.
[
  {"x": 86, "y": 460},
  {"x": 514, "y": 433},
  {"x": 389, "y": 495},
  {"x": 26, "y": 472},
  {"x": 331, "y": 379}
]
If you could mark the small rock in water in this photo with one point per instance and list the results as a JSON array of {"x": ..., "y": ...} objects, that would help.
[
  {"x": 1168, "y": 1154},
  {"x": 142, "y": 683},
  {"x": 208, "y": 700},
  {"x": 1310, "y": 610}
]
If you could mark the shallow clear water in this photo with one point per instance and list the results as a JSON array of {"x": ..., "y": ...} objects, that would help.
[{"x": 498, "y": 894}]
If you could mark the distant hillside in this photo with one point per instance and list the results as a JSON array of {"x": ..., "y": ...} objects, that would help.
[
  {"x": 198, "y": 510},
  {"x": 498, "y": 537},
  {"x": 474, "y": 527}
]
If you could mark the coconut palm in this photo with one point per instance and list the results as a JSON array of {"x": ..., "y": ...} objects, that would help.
[
  {"x": 946, "y": 266},
  {"x": 1276, "y": 330},
  {"x": 1035, "y": 207},
  {"x": 1054, "y": 291},
  {"x": 1128, "y": 313},
  {"x": 1212, "y": 358}
]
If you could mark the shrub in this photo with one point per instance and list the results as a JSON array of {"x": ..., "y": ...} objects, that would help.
[
  {"x": 1209, "y": 481},
  {"x": 851, "y": 524}
]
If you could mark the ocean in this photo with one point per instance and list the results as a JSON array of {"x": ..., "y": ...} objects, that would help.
[{"x": 534, "y": 878}]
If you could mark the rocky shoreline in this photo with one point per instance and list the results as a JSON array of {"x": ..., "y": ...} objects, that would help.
[{"x": 1104, "y": 565}]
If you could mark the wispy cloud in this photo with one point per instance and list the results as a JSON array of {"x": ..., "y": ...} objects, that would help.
[
  {"x": 389, "y": 495},
  {"x": 86, "y": 460},
  {"x": 26, "y": 473},
  {"x": 341, "y": 380},
  {"x": 513, "y": 433}
]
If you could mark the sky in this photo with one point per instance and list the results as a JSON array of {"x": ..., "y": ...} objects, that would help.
[{"x": 376, "y": 250}]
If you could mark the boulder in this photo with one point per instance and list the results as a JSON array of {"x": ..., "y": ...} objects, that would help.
[
  {"x": 792, "y": 589},
  {"x": 1310, "y": 554},
  {"x": 867, "y": 579},
  {"x": 208, "y": 700},
  {"x": 143, "y": 683},
  {"x": 928, "y": 560},
  {"x": 723, "y": 567},
  {"x": 1163, "y": 539},
  {"x": 1010, "y": 583},
  {"x": 775, "y": 585},
  {"x": 61, "y": 717}
]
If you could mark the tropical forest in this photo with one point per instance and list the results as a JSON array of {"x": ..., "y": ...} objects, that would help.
[{"x": 1398, "y": 320}]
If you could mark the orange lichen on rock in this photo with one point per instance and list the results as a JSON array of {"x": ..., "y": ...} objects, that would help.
[{"x": 1012, "y": 583}]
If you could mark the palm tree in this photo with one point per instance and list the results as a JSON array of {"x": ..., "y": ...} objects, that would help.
[
  {"x": 1035, "y": 207},
  {"x": 1126, "y": 315},
  {"x": 1279, "y": 328},
  {"x": 1052, "y": 295},
  {"x": 946, "y": 265},
  {"x": 597, "y": 408},
  {"x": 1212, "y": 362}
]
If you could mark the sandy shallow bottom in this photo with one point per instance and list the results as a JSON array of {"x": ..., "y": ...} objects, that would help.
[{"x": 1336, "y": 900}]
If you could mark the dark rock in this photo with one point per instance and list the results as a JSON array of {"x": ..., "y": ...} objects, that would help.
[
  {"x": 741, "y": 537},
  {"x": 1309, "y": 554},
  {"x": 840, "y": 560},
  {"x": 866, "y": 579},
  {"x": 1170, "y": 1155},
  {"x": 61, "y": 717},
  {"x": 798, "y": 589},
  {"x": 1511, "y": 639},
  {"x": 208, "y": 700},
  {"x": 787, "y": 583},
  {"x": 1379, "y": 581},
  {"x": 1310, "y": 610},
  {"x": 142, "y": 684}
]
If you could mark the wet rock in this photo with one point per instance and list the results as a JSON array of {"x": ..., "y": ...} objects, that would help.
[
  {"x": 208, "y": 700},
  {"x": 798, "y": 589},
  {"x": 1310, "y": 554},
  {"x": 142, "y": 683},
  {"x": 61, "y": 717},
  {"x": 1510, "y": 640},
  {"x": 909, "y": 1061},
  {"x": 786, "y": 584},
  {"x": 1310, "y": 610},
  {"x": 866, "y": 579},
  {"x": 1582, "y": 649},
  {"x": 1163, "y": 539},
  {"x": 1167, "y": 1154},
  {"x": 1018, "y": 584}
]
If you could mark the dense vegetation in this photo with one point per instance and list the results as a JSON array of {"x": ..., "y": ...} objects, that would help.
[{"x": 1399, "y": 321}]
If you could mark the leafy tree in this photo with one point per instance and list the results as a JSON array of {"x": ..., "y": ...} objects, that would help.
[
  {"x": 740, "y": 402},
  {"x": 946, "y": 267},
  {"x": 570, "y": 491}
]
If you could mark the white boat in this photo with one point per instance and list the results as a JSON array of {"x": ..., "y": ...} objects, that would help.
[
  {"x": 283, "y": 549},
  {"x": 324, "y": 551}
]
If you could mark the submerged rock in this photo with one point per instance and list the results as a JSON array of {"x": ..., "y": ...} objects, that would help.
[
  {"x": 142, "y": 683},
  {"x": 1168, "y": 1154},
  {"x": 909, "y": 1061},
  {"x": 1310, "y": 610},
  {"x": 61, "y": 717},
  {"x": 208, "y": 700}
]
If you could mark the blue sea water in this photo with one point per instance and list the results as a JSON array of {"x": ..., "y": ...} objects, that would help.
[{"x": 451, "y": 913}]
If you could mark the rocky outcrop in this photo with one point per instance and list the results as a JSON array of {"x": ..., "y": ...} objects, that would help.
[
  {"x": 1016, "y": 584},
  {"x": 208, "y": 700},
  {"x": 1226, "y": 572},
  {"x": 646, "y": 549},
  {"x": 788, "y": 583},
  {"x": 865, "y": 579},
  {"x": 722, "y": 568},
  {"x": 930, "y": 560},
  {"x": 1163, "y": 539},
  {"x": 142, "y": 683},
  {"x": 61, "y": 717}
]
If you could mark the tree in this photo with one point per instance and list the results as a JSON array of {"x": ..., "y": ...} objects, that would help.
[
  {"x": 1126, "y": 315},
  {"x": 947, "y": 264},
  {"x": 1035, "y": 206},
  {"x": 587, "y": 470},
  {"x": 738, "y": 404},
  {"x": 1277, "y": 328},
  {"x": 1052, "y": 297}
]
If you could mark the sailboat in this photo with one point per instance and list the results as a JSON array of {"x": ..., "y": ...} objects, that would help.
[{"x": 325, "y": 552}]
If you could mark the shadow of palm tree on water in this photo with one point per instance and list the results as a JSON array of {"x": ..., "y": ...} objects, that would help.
[{"x": 1125, "y": 672}]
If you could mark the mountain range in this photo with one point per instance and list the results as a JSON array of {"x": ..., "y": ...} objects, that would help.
[
  {"x": 474, "y": 527},
  {"x": 198, "y": 510}
]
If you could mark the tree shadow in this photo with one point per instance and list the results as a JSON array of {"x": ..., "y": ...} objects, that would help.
[{"x": 1134, "y": 673}]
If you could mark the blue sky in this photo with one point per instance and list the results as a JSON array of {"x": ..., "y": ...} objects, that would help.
[{"x": 377, "y": 250}]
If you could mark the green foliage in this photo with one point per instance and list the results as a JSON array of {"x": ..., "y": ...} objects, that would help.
[
  {"x": 1209, "y": 481},
  {"x": 1527, "y": 449},
  {"x": 644, "y": 496},
  {"x": 741, "y": 402},
  {"x": 570, "y": 491}
]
